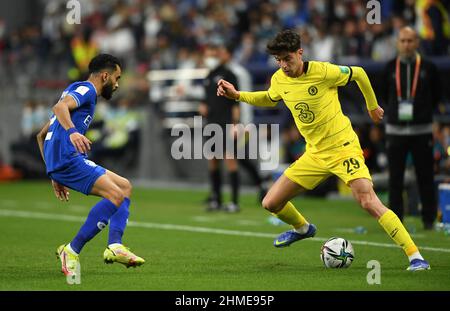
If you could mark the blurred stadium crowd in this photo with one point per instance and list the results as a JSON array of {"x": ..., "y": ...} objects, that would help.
[
  {"x": 40, "y": 57},
  {"x": 165, "y": 34}
]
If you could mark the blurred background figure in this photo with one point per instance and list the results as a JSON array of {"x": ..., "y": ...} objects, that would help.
[
  {"x": 412, "y": 93},
  {"x": 83, "y": 49},
  {"x": 434, "y": 26},
  {"x": 116, "y": 133},
  {"x": 244, "y": 82},
  {"x": 26, "y": 152},
  {"x": 221, "y": 111}
]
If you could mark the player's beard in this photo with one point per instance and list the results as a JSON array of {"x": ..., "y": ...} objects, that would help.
[{"x": 107, "y": 90}]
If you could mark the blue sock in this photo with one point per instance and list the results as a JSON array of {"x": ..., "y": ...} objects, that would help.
[
  {"x": 96, "y": 220},
  {"x": 119, "y": 222}
]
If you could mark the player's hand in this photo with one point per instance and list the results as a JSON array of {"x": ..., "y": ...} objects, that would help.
[
  {"x": 80, "y": 142},
  {"x": 377, "y": 114},
  {"x": 226, "y": 89},
  {"x": 61, "y": 192}
]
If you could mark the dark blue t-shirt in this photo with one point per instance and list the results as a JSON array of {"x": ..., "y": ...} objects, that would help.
[{"x": 58, "y": 149}]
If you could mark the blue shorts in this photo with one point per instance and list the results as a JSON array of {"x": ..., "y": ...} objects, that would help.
[{"x": 80, "y": 175}]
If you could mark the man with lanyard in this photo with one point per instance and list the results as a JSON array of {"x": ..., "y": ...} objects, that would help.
[{"x": 411, "y": 92}]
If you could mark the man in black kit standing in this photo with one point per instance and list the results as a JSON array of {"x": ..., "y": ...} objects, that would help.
[
  {"x": 221, "y": 111},
  {"x": 411, "y": 93}
]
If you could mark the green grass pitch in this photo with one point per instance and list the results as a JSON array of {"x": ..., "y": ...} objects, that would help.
[{"x": 189, "y": 249}]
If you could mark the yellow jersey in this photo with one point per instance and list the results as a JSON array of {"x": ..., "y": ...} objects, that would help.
[{"x": 313, "y": 101}]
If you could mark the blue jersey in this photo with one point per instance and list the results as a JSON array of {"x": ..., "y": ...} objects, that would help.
[{"x": 58, "y": 149}]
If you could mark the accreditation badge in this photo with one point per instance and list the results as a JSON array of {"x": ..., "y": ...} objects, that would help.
[{"x": 405, "y": 110}]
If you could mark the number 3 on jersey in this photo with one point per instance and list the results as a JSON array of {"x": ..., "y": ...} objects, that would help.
[
  {"x": 352, "y": 165},
  {"x": 305, "y": 115}
]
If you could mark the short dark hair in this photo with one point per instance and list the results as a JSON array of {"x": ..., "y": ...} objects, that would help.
[
  {"x": 103, "y": 61},
  {"x": 284, "y": 41}
]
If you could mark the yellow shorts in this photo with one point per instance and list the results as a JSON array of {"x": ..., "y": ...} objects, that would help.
[{"x": 346, "y": 162}]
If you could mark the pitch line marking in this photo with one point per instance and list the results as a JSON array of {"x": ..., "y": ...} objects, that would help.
[{"x": 149, "y": 225}]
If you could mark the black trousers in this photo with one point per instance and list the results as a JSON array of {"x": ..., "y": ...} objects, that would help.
[{"x": 421, "y": 148}]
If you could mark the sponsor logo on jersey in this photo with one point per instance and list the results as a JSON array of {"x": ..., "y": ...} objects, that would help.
[
  {"x": 304, "y": 114},
  {"x": 87, "y": 121}
]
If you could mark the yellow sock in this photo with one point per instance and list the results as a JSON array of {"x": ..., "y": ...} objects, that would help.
[
  {"x": 291, "y": 216},
  {"x": 394, "y": 227}
]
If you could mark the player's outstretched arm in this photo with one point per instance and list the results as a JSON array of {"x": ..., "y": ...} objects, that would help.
[
  {"x": 261, "y": 99},
  {"x": 62, "y": 112},
  {"x": 376, "y": 113},
  {"x": 226, "y": 89}
]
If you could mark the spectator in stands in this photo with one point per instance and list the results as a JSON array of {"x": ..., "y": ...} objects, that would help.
[
  {"x": 434, "y": 26},
  {"x": 26, "y": 152},
  {"x": 440, "y": 155},
  {"x": 406, "y": 10},
  {"x": 119, "y": 135},
  {"x": 83, "y": 49},
  {"x": 351, "y": 43},
  {"x": 323, "y": 46},
  {"x": 411, "y": 94},
  {"x": 383, "y": 45}
]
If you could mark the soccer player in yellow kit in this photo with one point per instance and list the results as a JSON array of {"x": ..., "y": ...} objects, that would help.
[{"x": 309, "y": 90}]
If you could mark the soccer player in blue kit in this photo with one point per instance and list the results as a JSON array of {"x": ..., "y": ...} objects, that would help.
[{"x": 64, "y": 149}]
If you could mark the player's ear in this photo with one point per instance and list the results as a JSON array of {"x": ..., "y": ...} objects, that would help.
[{"x": 105, "y": 75}]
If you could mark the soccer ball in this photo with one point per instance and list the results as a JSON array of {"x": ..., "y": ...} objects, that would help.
[{"x": 337, "y": 253}]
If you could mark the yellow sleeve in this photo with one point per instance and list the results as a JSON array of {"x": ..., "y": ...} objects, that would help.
[
  {"x": 269, "y": 98},
  {"x": 342, "y": 75},
  {"x": 273, "y": 92},
  {"x": 261, "y": 99},
  {"x": 361, "y": 78},
  {"x": 338, "y": 75}
]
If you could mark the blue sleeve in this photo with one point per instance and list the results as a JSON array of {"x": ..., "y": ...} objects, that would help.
[{"x": 83, "y": 94}]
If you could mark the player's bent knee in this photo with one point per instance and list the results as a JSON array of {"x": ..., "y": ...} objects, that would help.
[
  {"x": 368, "y": 202},
  {"x": 127, "y": 188},
  {"x": 269, "y": 204},
  {"x": 265, "y": 203},
  {"x": 116, "y": 197},
  {"x": 373, "y": 206}
]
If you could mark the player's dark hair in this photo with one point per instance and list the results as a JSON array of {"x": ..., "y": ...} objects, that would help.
[
  {"x": 284, "y": 41},
  {"x": 102, "y": 62}
]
